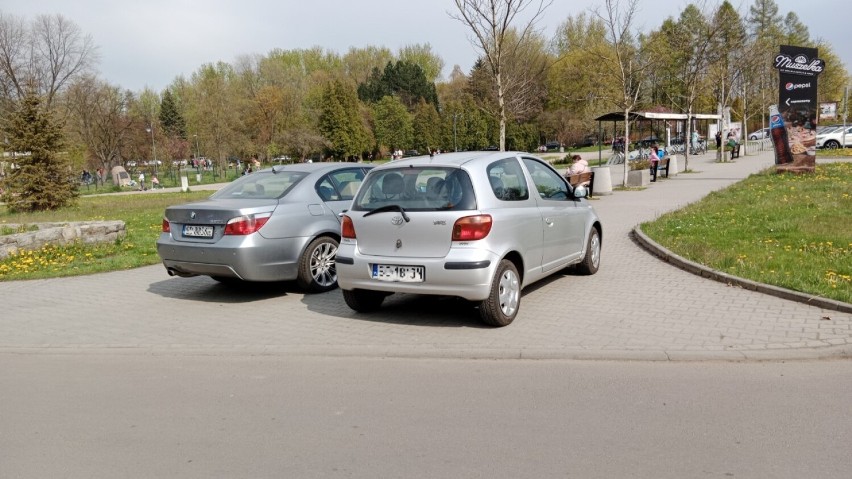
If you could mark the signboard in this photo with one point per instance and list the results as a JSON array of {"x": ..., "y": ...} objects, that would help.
[
  {"x": 828, "y": 110},
  {"x": 798, "y": 68}
]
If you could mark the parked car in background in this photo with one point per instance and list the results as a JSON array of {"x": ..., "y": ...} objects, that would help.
[
  {"x": 552, "y": 145},
  {"x": 834, "y": 138},
  {"x": 277, "y": 224},
  {"x": 759, "y": 134},
  {"x": 476, "y": 225}
]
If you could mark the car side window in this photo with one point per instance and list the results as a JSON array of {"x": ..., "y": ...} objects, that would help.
[
  {"x": 346, "y": 182},
  {"x": 507, "y": 180},
  {"x": 549, "y": 184},
  {"x": 340, "y": 185}
]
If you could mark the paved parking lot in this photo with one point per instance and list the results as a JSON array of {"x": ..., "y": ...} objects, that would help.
[{"x": 610, "y": 315}]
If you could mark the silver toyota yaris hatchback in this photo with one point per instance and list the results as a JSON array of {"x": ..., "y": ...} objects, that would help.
[{"x": 477, "y": 225}]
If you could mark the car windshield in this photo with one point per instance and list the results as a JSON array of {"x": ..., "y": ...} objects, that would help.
[
  {"x": 428, "y": 188},
  {"x": 261, "y": 185}
]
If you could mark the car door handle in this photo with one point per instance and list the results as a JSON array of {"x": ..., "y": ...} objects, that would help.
[{"x": 548, "y": 221}]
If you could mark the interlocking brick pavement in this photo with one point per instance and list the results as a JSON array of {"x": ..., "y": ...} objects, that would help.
[{"x": 610, "y": 315}]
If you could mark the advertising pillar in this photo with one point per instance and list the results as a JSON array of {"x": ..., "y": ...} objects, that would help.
[{"x": 797, "y": 110}]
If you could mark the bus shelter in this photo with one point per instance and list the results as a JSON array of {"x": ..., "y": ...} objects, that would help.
[{"x": 648, "y": 124}]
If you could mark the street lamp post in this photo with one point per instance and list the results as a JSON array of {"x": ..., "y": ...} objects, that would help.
[
  {"x": 150, "y": 130},
  {"x": 455, "y": 115}
]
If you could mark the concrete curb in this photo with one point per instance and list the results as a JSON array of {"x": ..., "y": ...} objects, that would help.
[{"x": 705, "y": 272}]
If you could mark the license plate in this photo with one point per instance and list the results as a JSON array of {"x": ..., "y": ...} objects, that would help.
[
  {"x": 198, "y": 231},
  {"x": 396, "y": 273}
]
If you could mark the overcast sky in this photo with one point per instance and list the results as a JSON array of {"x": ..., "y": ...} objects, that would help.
[{"x": 150, "y": 43}]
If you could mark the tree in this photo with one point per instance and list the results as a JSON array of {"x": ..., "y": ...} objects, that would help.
[
  {"x": 393, "y": 126},
  {"x": 99, "y": 119},
  {"x": 625, "y": 61},
  {"x": 687, "y": 43},
  {"x": 491, "y": 21},
  {"x": 43, "y": 179},
  {"x": 404, "y": 80},
  {"x": 340, "y": 121},
  {"x": 41, "y": 58},
  {"x": 427, "y": 127},
  {"x": 171, "y": 120},
  {"x": 726, "y": 67},
  {"x": 422, "y": 56}
]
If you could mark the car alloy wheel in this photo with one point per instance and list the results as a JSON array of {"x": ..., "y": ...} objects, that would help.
[{"x": 317, "y": 269}]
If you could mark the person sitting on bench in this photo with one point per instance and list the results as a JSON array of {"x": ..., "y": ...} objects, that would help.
[{"x": 578, "y": 166}]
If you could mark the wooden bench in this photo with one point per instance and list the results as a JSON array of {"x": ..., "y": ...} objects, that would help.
[
  {"x": 578, "y": 178},
  {"x": 662, "y": 165},
  {"x": 735, "y": 151}
]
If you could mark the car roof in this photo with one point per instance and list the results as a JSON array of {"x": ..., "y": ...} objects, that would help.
[
  {"x": 453, "y": 159},
  {"x": 314, "y": 167}
]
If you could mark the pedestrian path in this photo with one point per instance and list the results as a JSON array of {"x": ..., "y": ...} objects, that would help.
[{"x": 610, "y": 315}]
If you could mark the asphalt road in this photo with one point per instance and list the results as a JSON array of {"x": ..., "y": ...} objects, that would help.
[{"x": 134, "y": 416}]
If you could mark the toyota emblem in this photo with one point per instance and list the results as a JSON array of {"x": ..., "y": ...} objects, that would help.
[{"x": 396, "y": 220}]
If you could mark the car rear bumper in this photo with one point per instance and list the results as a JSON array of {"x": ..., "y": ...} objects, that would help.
[
  {"x": 463, "y": 273},
  {"x": 250, "y": 258}
]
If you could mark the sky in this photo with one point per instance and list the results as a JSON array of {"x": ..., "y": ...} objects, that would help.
[{"x": 148, "y": 44}]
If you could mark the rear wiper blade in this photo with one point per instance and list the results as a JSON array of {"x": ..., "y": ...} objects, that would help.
[{"x": 389, "y": 208}]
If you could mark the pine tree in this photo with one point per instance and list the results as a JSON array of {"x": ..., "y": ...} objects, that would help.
[
  {"x": 340, "y": 122},
  {"x": 43, "y": 179},
  {"x": 171, "y": 119}
]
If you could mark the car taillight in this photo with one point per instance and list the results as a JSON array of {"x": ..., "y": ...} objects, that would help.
[
  {"x": 347, "y": 229},
  {"x": 167, "y": 227},
  {"x": 472, "y": 228},
  {"x": 247, "y": 224}
]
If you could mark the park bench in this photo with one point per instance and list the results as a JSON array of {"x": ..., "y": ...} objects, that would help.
[
  {"x": 579, "y": 178},
  {"x": 735, "y": 151},
  {"x": 662, "y": 166}
]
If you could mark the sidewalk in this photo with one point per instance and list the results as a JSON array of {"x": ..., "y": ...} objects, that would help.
[{"x": 610, "y": 315}]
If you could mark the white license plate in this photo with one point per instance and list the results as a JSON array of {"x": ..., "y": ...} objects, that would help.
[
  {"x": 401, "y": 274},
  {"x": 198, "y": 231}
]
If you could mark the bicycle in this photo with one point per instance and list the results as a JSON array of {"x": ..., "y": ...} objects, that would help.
[{"x": 700, "y": 148}]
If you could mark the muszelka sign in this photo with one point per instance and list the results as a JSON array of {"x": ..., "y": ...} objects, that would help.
[{"x": 798, "y": 68}]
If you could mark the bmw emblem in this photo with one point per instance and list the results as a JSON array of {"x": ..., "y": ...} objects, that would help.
[
  {"x": 192, "y": 215},
  {"x": 396, "y": 220}
]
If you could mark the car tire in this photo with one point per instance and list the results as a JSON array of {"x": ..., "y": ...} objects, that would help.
[
  {"x": 317, "y": 270},
  {"x": 752, "y": 137},
  {"x": 832, "y": 144},
  {"x": 592, "y": 261},
  {"x": 504, "y": 300},
  {"x": 362, "y": 300}
]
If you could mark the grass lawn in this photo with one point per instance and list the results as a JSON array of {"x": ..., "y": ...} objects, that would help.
[
  {"x": 793, "y": 231},
  {"x": 142, "y": 214}
]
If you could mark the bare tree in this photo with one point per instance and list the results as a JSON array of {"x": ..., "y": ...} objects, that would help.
[
  {"x": 99, "y": 119},
  {"x": 42, "y": 58},
  {"x": 490, "y": 22},
  {"x": 625, "y": 62}
]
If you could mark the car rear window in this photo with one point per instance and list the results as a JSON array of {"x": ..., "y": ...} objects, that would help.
[
  {"x": 416, "y": 189},
  {"x": 261, "y": 185}
]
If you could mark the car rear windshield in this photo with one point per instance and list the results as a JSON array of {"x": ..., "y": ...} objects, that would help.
[
  {"x": 427, "y": 188},
  {"x": 261, "y": 185}
]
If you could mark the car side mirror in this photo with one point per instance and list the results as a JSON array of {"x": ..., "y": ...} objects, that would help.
[{"x": 580, "y": 191}]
